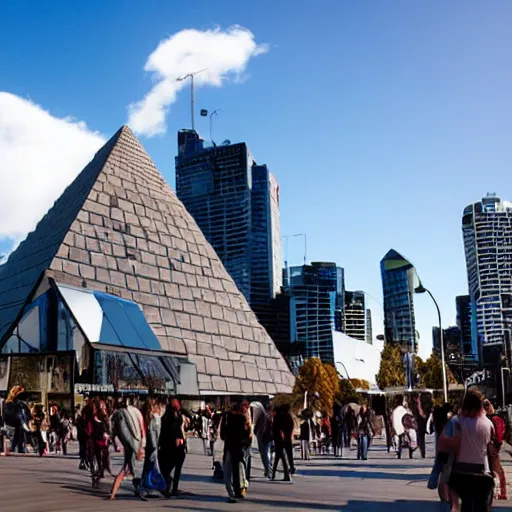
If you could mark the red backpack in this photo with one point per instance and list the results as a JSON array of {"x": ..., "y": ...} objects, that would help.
[{"x": 499, "y": 429}]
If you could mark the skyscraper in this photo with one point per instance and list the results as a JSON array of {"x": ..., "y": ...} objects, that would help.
[
  {"x": 316, "y": 305},
  {"x": 487, "y": 232},
  {"x": 468, "y": 350},
  {"x": 398, "y": 290},
  {"x": 357, "y": 319},
  {"x": 235, "y": 202}
]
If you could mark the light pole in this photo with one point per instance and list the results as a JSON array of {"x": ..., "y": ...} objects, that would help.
[
  {"x": 344, "y": 367},
  {"x": 503, "y": 369},
  {"x": 421, "y": 289}
]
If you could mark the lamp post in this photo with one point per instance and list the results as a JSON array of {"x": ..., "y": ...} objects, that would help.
[
  {"x": 344, "y": 367},
  {"x": 421, "y": 289},
  {"x": 503, "y": 369}
]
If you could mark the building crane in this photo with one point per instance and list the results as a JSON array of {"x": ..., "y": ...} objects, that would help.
[{"x": 191, "y": 76}]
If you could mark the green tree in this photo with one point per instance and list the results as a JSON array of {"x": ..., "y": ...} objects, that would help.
[
  {"x": 392, "y": 370},
  {"x": 431, "y": 372},
  {"x": 347, "y": 392}
]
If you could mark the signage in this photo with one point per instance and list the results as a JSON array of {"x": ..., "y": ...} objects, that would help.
[{"x": 478, "y": 377}]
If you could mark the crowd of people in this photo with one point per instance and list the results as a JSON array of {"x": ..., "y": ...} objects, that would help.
[{"x": 468, "y": 441}]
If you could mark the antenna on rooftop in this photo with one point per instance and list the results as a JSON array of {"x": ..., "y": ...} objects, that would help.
[{"x": 191, "y": 76}]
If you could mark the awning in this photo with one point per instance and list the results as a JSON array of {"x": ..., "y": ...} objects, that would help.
[{"x": 109, "y": 320}]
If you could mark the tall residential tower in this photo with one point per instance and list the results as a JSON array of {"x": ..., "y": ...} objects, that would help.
[
  {"x": 235, "y": 202},
  {"x": 487, "y": 232},
  {"x": 398, "y": 290},
  {"x": 316, "y": 294}
]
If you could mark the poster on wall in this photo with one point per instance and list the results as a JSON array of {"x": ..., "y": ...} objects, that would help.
[
  {"x": 59, "y": 371},
  {"x": 4, "y": 373},
  {"x": 26, "y": 371}
]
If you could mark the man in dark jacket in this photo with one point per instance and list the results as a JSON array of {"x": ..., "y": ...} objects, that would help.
[
  {"x": 172, "y": 446},
  {"x": 282, "y": 431},
  {"x": 236, "y": 433}
]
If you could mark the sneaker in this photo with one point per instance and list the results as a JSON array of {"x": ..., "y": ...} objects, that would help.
[{"x": 231, "y": 500}]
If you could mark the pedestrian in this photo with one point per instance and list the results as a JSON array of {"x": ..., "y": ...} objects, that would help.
[
  {"x": 152, "y": 478},
  {"x": 236, "y": 434},
  {"x": 421, "y": 422},
  {"x": 65, "y": 430},
  {"x": 409, "y": 438},
  {"x": 282, "y": 432},
  {"x": 172, "y": 446},
  {"x": 364, "y": 433},
  {"x": 81, "y": 435},
  {"x": 440, "y": 417},
  {"x": 350, "y": 425},
  {"x": 99, "y": 437},
  {"x": 247, "y": 460},
  {"x": 53, "y": 433},
  {"x": 307, "y": 428},
  {"x": 263, "y": 433},
  {"x": 495, "y": 447},
  {"x": 470, "y": 477},
  {"x": 214, "y": 426},
  {"x": 336, "y": 430},
  {"x": 128, "y": 425},
  {"x": 41, "y": 428}
]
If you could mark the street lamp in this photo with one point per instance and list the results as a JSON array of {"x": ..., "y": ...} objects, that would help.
[
  {"x": 421, "y": 289},
  {"x": 503, "y": 369},
  {"x": 344, "y": 367}
]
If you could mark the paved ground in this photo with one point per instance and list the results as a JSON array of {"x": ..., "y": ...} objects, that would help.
[{"x": 31, "y": 484}]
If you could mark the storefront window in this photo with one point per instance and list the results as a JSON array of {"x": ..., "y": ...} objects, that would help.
[{"x": 29, "y": 331}]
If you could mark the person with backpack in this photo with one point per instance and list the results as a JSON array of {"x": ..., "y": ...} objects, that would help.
[{"x": 494, "y": 450}]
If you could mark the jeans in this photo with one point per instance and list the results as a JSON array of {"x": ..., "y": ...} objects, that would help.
[
  {"x": 264, "y": 449},
  {"x": 233, "y": 473},
  {"x": 281, "y": 455},
  {"x": 304, "y": 447},
  {"x": 246, "y": 463},
  {"x": 435, "y": 474},
  {"x": 362, "y": 447}
]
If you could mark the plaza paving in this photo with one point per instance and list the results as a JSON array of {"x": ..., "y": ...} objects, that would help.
[{"x": 31, "y": 484}]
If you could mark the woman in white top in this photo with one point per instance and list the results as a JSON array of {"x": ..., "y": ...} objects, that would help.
[{"x": 471, "y": 478}]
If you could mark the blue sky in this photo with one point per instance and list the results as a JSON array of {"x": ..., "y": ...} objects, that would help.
[{"x": 381, "y": 120}]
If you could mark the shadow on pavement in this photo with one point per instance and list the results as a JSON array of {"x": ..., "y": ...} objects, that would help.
[
  {"x": 367, "y": 464},
  {"x": 363, "y": 474}
]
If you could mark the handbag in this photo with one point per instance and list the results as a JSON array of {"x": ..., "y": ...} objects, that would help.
[{"x": 153, "y": 479}]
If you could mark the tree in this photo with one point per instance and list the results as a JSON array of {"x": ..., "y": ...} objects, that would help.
[
  {"x": 431, "y": 372},
  {"x": 315, "y": 377},
  {"x": 392, "y": 370},
  {"x": 360, "y": 384},
  {"x": 347, "y": 392},
  {"x": 333, "y": 377}
]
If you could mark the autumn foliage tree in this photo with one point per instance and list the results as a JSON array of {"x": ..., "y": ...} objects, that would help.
[
  {"x": 392, "y": 370},
  {"x": 317, "y": 377}
]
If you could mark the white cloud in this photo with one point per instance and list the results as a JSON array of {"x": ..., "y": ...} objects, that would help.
[
  {"x": 225, "y": 54},
  {"x": 39, "y": 156}
]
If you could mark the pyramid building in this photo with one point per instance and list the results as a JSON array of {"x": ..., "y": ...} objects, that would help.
[{"x": 136, "y": 275}]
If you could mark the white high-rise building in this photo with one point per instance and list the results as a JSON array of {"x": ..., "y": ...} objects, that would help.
[{"x": 487, "y": 232}]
